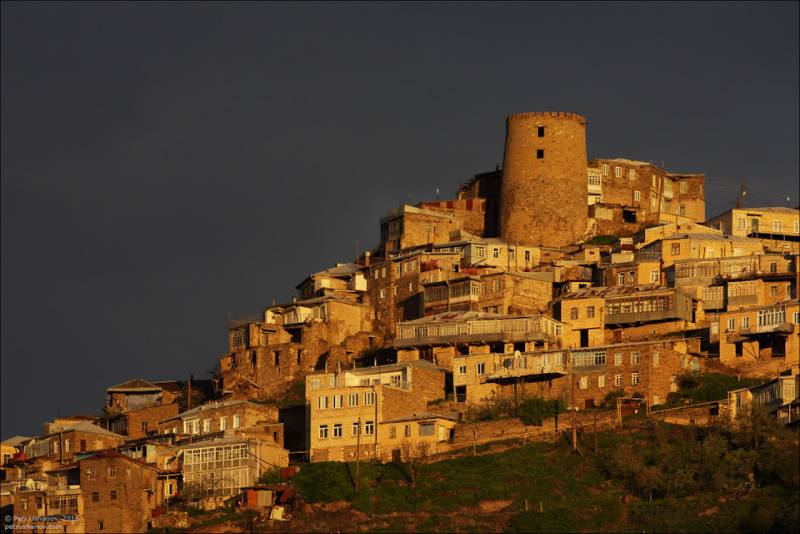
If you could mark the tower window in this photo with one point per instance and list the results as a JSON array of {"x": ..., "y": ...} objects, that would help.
[
  {"x": 540, "y": 154},
  {"x": 540, "y": 131}
]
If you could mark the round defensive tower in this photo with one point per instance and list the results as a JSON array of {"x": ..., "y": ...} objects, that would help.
[{"x": 543, "y": 197}]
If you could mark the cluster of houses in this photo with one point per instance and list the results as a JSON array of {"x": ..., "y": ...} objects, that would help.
[{"x": 453, "y": 309}]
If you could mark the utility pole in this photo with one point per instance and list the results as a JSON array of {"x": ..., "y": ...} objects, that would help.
[
  {"x": 358, "y": 453},
  {"x": 574, "y": 431},
  {"x": 595, "y": 432},
  {"x": 189, "y": 395},
  {"x": 742, "y": 194}
]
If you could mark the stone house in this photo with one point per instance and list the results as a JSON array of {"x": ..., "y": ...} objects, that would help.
[
  {"x": 136, "y": 394},
  {"x": 65, "y": 442},
  {"x": 140, "y": 422},
  {"x": 347, "y": 407},
  {"x": 440, "y": 338},
  {"x": 226, "y": 416},
  {"x": 774, "y": 397},
  {"x": 215, "y": 470},
  {"x": 119, "y": 493},
  {"x": 267, "y": 357},
  {"x": 58, "y": 507},
  {"x": 763, "y": 336},
  {"x": 696, "y": 246}
]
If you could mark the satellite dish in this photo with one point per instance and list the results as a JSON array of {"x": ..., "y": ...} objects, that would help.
[
  {"x": 508, "y": 363},
  {"x": 517, "y": 354}
]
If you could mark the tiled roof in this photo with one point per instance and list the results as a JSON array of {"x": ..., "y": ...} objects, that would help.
[
  {"x": 137, "y": 384},
  {"x": 453, "y": 317},
  {"x": 421, "y": 417},
  {"x": 616, "y": 291}
]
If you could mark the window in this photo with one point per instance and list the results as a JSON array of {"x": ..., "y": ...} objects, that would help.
[
  {"x": 383, "y": 293},
  {"x": 407, "y": 431},
  {"x": 393, "y": 432},
  {"x": 323, "y": 432},
  {"x": 590, "y": 312},
  {"x": 583, "y": 383},
  {"x": 676, "y": 249},
  {"x": 797, "y": 227},
  {"x": 480, "y": 368},
  {"x": 236, "y": 421},
  {"x": 354, "y": 429},
  {"x": 338, "y": 400},
  {"x": 684, "y": 187},
  {"x": 427, "y": 429},
  {"x": 223, "y": 423},
  {"x": 621, "y": 279},
  {"x": 369, "y": 398},
  {"x": 634, "y": 358},
  {"x": 144, "y": 429},
  {"x": 731, "y": 324},
  {"x": 113, "y": 495},
  {"x": 601, "y": 381},
  {"x": 66, "y": 443},
  {"x": 539, "y": 153},
  {"x": 618, "y": 359},
  {"x": 314, "y": 384},
  {"x": 322, "y": 402},
  {"x": 112, "y": 472},
  {"x": 573, "y": 313},
  {"x": 369, "y": 428},
  {"x": 100, "y": 525},
  {"x": 411, "y": 286},
  {"x": 462, "y": 369},
  {"x": 496, "y": 253},
  {"x": 540, "y": 131},
  {"x": 745, "y": 322},
  {"x": 654, "y": 277},
  {"x": 95, "y": 496},
  {"x": 605, "y": 169},
  {"x": 656, "y": 357},
  {"x": 206, "y": 425},
  {"x": 773, "y": 267},
  {"x": 83, "y": 445},
  {"x": 528, "y": 255},
  {"x": 637, "y": 196},
  {"x": 632, "y": 176},
  {"x": 634, "y": 378},
  {"x": 740, "y": 223},
  {"x": 337, "y": 430},
  {"x": 777, "y": 226},
  {"x": 618, "y": 172},
  {"x": 773, "y": 291},
  {"x": 618, "y": 380},
  {"x": 383, "y": 272},
  {"x": 353, "y": 400}
]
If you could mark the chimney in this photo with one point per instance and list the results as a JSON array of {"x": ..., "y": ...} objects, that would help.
[{"x": 366, "y": 259}]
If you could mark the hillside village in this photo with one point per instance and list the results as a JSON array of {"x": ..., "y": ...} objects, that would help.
[{"x": 553, "y": 277}]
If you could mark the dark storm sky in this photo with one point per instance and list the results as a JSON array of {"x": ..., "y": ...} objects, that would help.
[{"x": 165, "y": 165}]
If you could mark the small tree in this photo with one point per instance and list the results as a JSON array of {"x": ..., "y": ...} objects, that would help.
[{"x": 414, "y": 458}]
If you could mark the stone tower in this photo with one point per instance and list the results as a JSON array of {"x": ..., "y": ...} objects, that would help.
[{"x": 544, "y": 188}]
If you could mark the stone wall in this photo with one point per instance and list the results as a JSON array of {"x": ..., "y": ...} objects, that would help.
[
  {"x": 544, "y": 186},
  {"x": 135, "y": 488},
  {"x": 141, "y": 422}
]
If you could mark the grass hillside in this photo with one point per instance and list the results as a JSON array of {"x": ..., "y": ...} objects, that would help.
[{"x": 652, "y": 478}]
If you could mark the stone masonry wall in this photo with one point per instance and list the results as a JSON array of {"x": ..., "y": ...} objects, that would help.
[{"x": 543, "y": 199}]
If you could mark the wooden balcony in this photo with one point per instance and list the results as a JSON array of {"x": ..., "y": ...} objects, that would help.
[{"x": 474, "y": 330}]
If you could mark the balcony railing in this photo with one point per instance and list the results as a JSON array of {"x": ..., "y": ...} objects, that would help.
[
  {"x": 516, "y": 328},
  {"x": 743, "y": 300},
  {"x": 641, "y": 316},
  {"x": 530, "y": 364}
]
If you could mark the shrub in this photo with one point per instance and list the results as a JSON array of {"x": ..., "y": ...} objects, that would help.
[{"x": 534, "y": 411}]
